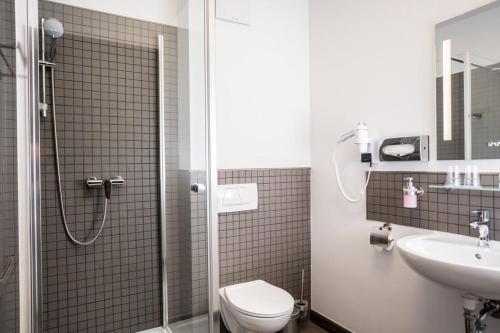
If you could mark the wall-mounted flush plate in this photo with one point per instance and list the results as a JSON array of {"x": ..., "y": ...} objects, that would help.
[{"x": 237, "y": 197}]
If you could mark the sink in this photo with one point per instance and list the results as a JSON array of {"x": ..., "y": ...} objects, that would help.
[{"x": 455, "y": 261}]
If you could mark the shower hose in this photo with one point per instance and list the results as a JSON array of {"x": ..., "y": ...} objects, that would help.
[{"x": 58, "y": 170}]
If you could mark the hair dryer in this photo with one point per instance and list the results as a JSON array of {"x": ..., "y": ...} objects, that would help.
[{"x": 362, "y": 140}]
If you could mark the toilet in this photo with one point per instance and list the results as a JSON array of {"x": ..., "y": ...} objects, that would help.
[{"x": 255, "y": 306}]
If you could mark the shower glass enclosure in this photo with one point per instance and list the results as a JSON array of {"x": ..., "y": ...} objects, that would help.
[
  {"x": 122, "y": 234},
  {"x": 9, "y": 259}
]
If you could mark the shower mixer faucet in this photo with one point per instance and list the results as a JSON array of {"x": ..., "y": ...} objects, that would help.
[{"x": 93, "y": 182}]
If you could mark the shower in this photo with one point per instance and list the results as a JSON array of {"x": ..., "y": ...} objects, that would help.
[
  {"x": 55, "y": 30},
  {"x": 109, "y": 219}
]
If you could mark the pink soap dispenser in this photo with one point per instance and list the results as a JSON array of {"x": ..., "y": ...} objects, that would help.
[{"x": 410, "y": 193}]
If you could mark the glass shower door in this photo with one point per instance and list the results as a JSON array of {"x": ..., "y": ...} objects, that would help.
[
  {"x": 187, "y": 239},
  {"x": 130, "y": 98},
  {"x": 9, "y": 285}
]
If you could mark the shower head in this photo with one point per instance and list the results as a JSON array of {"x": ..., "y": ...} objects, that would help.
[{"x": 53, "y": 28}]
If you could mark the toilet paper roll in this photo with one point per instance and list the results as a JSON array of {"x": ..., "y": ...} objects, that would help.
[{"x": 381, "y": 239}]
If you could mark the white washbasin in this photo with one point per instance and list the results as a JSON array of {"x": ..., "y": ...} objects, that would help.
[{"x": 455, "y": 261}]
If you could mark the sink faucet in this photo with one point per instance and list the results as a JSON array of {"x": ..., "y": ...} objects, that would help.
[{"x": 483, "y": 226}]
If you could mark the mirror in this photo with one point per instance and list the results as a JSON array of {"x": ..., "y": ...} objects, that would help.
[{"x": 468, "y": 85}]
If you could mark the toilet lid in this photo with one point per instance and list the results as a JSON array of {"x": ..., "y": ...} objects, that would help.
[{"x": 259, "y": 299}]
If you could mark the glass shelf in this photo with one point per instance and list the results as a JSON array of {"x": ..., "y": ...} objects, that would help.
[{"x": 466, "y": 188}]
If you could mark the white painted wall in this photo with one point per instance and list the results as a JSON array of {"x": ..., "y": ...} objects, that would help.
[
  {"x": 262, "y": 87},
  {"x": 373, "y": 61}
]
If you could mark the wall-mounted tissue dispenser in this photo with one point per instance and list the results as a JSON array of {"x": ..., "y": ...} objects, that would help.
[{"x": 412, "y": 148}]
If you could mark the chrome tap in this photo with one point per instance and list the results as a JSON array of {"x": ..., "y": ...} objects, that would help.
[{"x": 483, "y": 226}]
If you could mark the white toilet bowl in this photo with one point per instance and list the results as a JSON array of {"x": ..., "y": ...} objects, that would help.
[{"x": 255, "y": 306}]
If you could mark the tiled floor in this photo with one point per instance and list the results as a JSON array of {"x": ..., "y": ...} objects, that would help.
[{"x": 310, "y": 327}]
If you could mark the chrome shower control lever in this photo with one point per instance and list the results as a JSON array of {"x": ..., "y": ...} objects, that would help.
[
  {"x": 110, "y": 183},
  {"x": 117, "y": 180},
  {"x": 94, "y": 182}
]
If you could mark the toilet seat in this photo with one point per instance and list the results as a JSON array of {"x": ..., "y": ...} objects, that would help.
[{"x": 259, "y": 299}]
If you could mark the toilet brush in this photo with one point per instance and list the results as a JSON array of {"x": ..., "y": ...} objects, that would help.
[{"x": 301, "y": 303}]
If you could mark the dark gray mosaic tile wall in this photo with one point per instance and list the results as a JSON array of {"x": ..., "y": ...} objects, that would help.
[
  {"x": 106, "y": 92},
  {"x": 272, "y": 243},
  {"x": 9, "y": 296},
  {"x": 438, "y": 209}
]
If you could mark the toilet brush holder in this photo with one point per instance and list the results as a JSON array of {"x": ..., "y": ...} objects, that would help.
[{"x": 303, "y": 307}]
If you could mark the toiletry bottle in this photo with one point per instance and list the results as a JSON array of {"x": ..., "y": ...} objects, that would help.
[{"x": 410, "y": 193}]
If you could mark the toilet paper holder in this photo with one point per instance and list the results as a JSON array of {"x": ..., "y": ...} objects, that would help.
[
  {"x": 386, "y": 226},
  {"x": 381, "y": 239}
]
